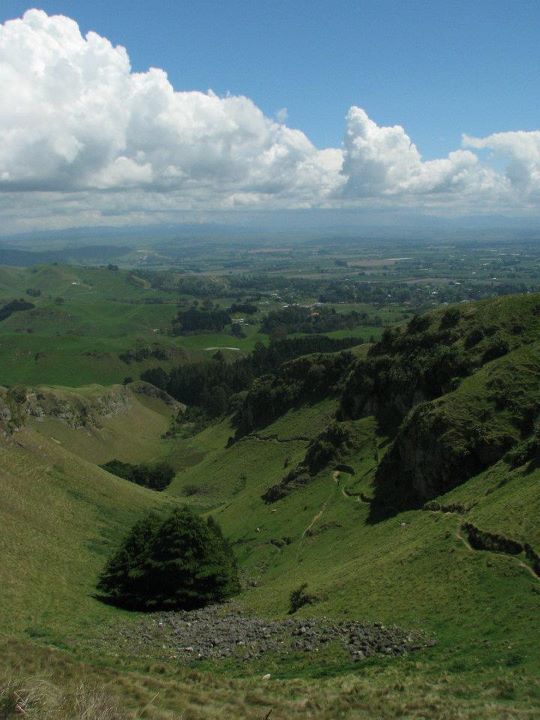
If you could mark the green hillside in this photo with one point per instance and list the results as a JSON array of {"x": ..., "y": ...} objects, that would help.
[
  {"x": 87, "y": 325},
  {"x": 410, "y": 475},
  {"x": 60, "y": 514}
]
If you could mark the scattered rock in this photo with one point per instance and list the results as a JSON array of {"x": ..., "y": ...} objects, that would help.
[{"x": 222, "y": 631}]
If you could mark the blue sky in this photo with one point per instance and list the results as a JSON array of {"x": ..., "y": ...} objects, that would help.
[
  {"x": 439, "y": 68},
  {"x": 397, "y": 108}
]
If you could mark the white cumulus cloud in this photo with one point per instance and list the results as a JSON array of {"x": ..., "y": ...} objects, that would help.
[
  {"x": 73, "y": 116},
  {"x": 383, "y": 161},
  {"x": 84, "y": 139},
  {"x": 521, "y": 152}
]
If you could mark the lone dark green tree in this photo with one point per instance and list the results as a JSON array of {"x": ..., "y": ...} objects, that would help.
[{"x": 182, "y": 562}]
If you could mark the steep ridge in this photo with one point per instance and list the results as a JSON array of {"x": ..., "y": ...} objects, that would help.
[
  {"x": 443, "y": 443},
  {"x": 432, "y": 354}
]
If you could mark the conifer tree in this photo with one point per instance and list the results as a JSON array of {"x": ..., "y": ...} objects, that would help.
[{"x": 179, "y": 562}]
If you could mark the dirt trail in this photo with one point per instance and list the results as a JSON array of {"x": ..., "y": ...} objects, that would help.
[
  {"x": 517, "y": 560},
  {"x": 315, "y": 519},
  {"x": 335, "y": 477}
]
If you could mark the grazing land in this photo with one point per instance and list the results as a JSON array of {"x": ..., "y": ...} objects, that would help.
[{"x": 380, "y": 494}]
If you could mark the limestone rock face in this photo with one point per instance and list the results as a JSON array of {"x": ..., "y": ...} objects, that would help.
[
  {"x": 431, "y": 455},
  {"x": 442, "y": 443},
  {"x": 76, "y": 409}
]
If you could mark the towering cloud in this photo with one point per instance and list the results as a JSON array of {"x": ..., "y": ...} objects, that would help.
[
  {"x": 384, "y": 161},
  {"x": 84, "y": 138},
  {"x": 75, "y": 117},
  {"x": 521, "y": 151}
]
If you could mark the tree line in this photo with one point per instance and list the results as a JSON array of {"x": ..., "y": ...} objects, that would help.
[
  {"x": 211, "y": 385},
  {"x": 319, "y": 319}
]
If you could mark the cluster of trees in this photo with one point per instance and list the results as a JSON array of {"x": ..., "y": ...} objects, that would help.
[
  {"x": 209, "y": 385},
  {"x": 421, "y": 362},
  {"x": 212, "y": 385},
  {"x": 265, "y": 282},
  {"x": 268, "y": 358},
  {"x": 199, "y": 286},
  {"x": 156, "y": 477},
  {"x": 196, "y": 319},
  {"x": 143, "y": 353},
  {"x": 304, "y": 379},
  {"x": 300, "y": 319},
  {"x": 180, "y": 562},
  {"x": 14, "y": 306},
  {"x": 404, "y": 368},
  {"x": 245, "y": 308}
]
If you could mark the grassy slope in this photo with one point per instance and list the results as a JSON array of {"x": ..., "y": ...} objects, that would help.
[
  {"x": 77, "y": 342},
  {"x": 61, "y": 515},
  {"x": 413, "y": 569},
  {"x": 134, "y": 436},
  {"x": 419, "y": 575}
]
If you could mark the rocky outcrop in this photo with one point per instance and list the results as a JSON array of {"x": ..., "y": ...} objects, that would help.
[
  {"x": 77, "y": 410},
  {"x": 144, "y": 388},
  {"x": 444, "y": 442},
  {"x": 435, "y": 451},
  {"x": 219, "y": 632},
  {"x": 497, "y": 543},
  {"x": 493, "y": 542}
]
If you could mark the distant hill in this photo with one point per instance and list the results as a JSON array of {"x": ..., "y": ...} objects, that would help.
[{"x": 90, "y": 254}]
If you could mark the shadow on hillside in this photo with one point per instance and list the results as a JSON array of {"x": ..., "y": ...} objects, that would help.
[{"x": 392, "y": 495}]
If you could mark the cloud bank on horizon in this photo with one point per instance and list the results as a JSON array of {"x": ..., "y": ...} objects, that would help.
[{"x": 86, "y": 141}]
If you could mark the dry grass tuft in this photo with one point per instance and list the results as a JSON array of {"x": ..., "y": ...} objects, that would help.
[{"x": 41, "y": 699}]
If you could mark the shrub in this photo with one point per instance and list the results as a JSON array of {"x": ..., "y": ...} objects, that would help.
[
  {"x": 450, "y": 318},
  {"x": 156, "y": 376},
  {"x": 190, "y": 489},
  {"x": 299, "y": 597},
  {"x": 155, "y": 477},
  {"x": 497, "y": 348},
  {"x": 473, "y": 338},
  {"x": 418, "y": 324},
  {"x": 181, "y": 562}
]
